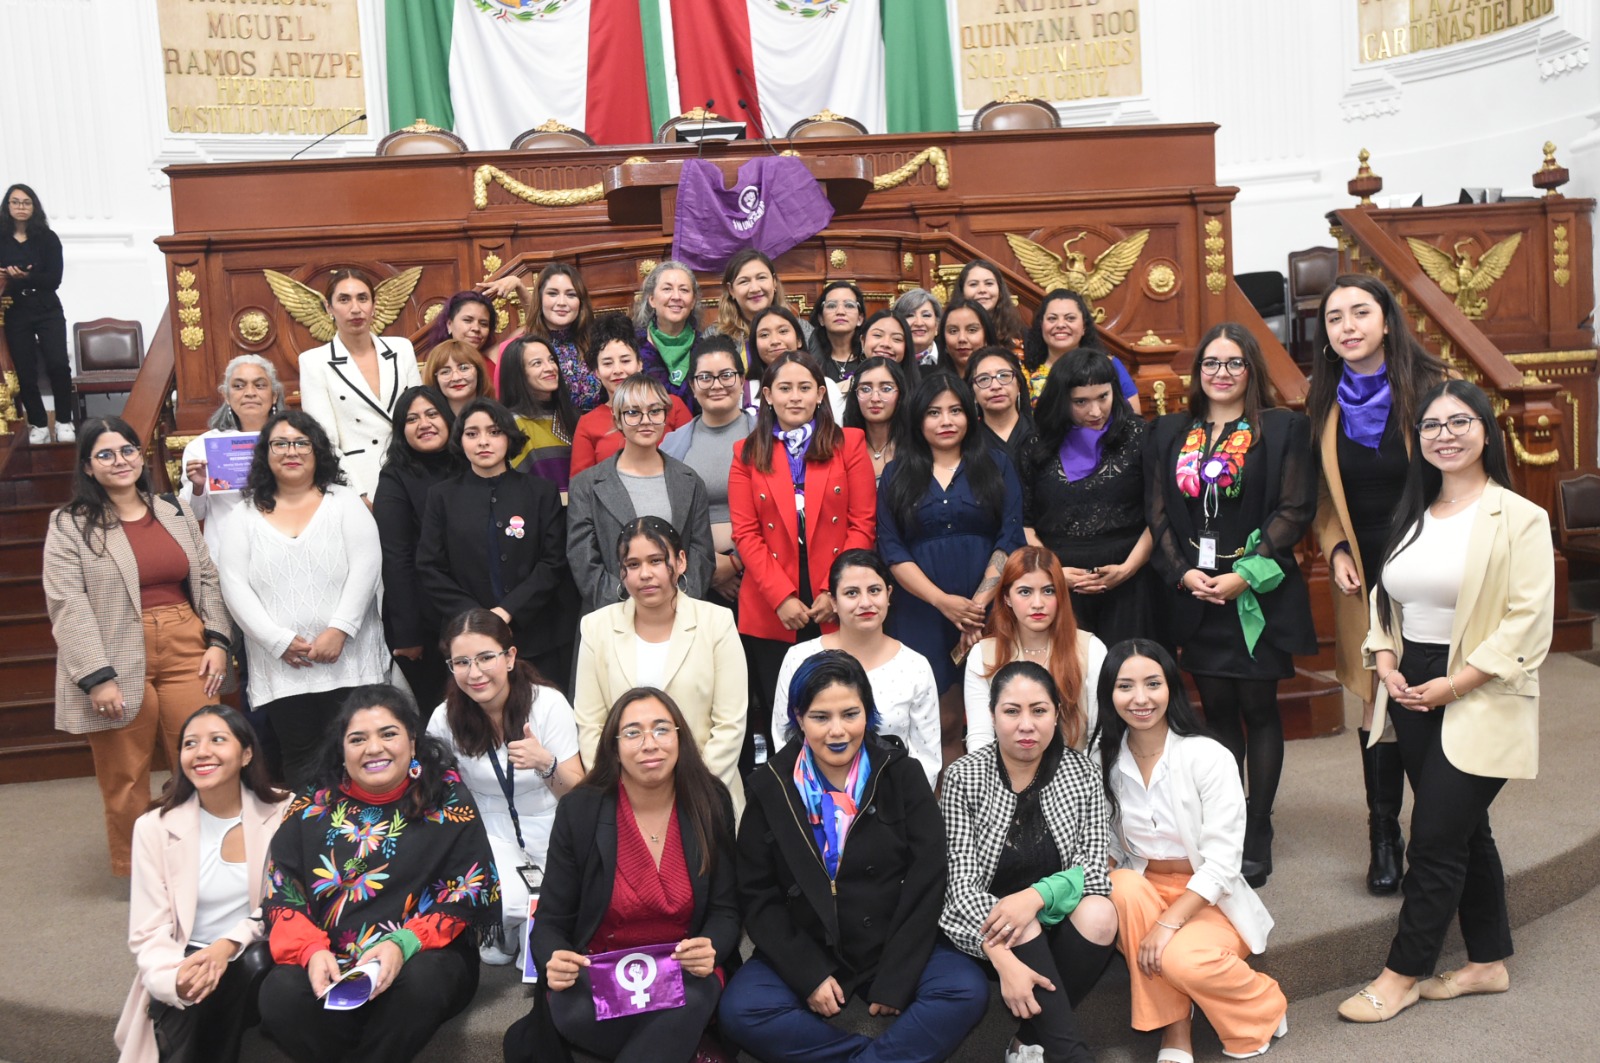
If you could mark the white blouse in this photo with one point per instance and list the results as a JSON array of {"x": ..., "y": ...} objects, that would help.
[
  {"x": 222, "y": 897},
  {"x": 1149, "y": 815},
  {"x": 650, "y": 661},
  {"x": 1425, "y": 577},
  {"x": 975, "y": 687}
]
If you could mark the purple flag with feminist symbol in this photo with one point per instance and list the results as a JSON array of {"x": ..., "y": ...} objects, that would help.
[
  {"x": 634, "y": 981},
  {"x": 773, "y": 205}
]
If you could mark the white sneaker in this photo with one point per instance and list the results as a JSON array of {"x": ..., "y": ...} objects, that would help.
[
  {"x": 497, "y": 957},
  {"x": 1025, "y": 1054},
  {"x": 65, "y": 433},
  {"x": 38, "y": 436}
]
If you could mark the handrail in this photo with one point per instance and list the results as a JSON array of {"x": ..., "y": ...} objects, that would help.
[{"x": 151, "y": 391}]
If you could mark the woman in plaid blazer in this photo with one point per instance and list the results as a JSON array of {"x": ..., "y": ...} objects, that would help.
[{"x": 141, "y": 632}]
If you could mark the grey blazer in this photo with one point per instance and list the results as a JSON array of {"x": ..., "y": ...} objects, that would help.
[{"x": 598, "y": 507}]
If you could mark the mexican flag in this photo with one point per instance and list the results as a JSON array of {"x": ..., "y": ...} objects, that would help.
[{"x": 617, "y": 69}]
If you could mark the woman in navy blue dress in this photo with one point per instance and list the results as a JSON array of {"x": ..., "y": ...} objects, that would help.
[{"x": 949, "y": 513}]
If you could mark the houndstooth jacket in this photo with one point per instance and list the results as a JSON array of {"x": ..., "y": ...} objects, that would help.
[
  {"x": 93, "y": 599},
  {"x": 978, "y": 809}
]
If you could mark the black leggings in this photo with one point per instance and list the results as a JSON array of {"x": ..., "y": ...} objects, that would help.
[
  {"x": 212, "y": 1030},
  {"x": 1243, "y": 714},
  {"x": 1073, "y": 964}
]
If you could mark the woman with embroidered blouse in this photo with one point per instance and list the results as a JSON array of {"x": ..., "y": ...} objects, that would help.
[
  {"x": 382, "y": 863},
  {"x": 1029, "y": 897},
  {"x": 557, "y": 306}
]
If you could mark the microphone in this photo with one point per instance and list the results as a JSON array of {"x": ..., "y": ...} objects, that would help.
[
  {"x": 358, "y": 118},
  {"x": 755, "y": 117},
  {"x": 705, "y": 116}
]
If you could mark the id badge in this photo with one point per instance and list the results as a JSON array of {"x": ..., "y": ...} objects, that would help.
[
  {"x": 532, "y": 877},
  {"x": 1208, "y": 552}
]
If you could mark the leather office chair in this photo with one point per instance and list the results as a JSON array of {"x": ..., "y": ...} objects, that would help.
[
  {"x": 1310, "y": 273},
  {"x": 551, "y": 136},
  {"x": 110, "y": 352},
  {"x": 827, "y": 124},
  {"x": 668, "y": 133},
  {"x": 1265, "y": 290},
  {"x": 1016, "y": 111},
  {"x": 1578, "y": 515},
  {"x": 420, "y": 138}
]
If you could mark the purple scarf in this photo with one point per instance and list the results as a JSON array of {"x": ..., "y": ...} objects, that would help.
[
  {"x": 795, "y": 441},
  {"x": 1365, "y": 402},
  {"x": 1080, "y": 451}
]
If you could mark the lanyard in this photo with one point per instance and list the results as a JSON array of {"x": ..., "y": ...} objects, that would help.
[{"x": 506, "y": 778}]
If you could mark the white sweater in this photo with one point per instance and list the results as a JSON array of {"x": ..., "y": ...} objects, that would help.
[{"x": 278, "y": 587}]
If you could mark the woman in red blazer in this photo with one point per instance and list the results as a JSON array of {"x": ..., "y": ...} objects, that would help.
[{"x": 800, "y": 493}]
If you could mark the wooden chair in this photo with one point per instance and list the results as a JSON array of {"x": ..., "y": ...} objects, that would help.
[
  {"x": 1310, "y": 273},
  {"x": 826, "y": 123},
  {"x": 551, "y": 136},
  {"x": 420, "y": 138},
  {"x": 1578, "y": 515},
  {"x": 110, "y": 352},
  {"x": 1016, "y": 111}
]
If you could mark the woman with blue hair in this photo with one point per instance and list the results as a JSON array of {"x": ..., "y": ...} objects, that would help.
[{"x": 830, "y": 925}]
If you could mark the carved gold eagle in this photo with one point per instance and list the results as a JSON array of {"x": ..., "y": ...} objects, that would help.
[
  {"x": 1070, "y": 269},
  {"x": 306, "y": 305},
  {"x": 1459, "y": 277}
]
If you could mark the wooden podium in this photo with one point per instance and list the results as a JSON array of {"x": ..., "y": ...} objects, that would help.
[{"x": 646, "y": 193}]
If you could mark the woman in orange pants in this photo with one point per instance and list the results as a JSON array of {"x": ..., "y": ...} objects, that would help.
[{"x": 1187, "y": 922}]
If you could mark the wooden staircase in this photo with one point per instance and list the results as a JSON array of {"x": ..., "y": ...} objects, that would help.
[{"x": 36, "y": 480}]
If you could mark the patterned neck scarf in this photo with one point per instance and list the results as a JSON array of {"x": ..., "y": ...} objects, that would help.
[
  {"x": 795, "y": 441},
  {"x": 1364, "y": 402},
  {"x": 831, "y": 812}
]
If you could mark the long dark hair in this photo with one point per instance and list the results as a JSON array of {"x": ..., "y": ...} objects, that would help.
[
  {"x": 1022, "y": 669},
  {"x": 37, "y": 224},
  {"x": 518, "y": 396},
  {"x": 700, "y": 792},
  {"x": 1258, "y": 394},
  {"x": 1007, "y": 321},
  {"x": 909, "y": 365},
  {"x": 1035, "y": 352},
  {"x": 756, "y": 450},
  {"x": 261, "y": 486},
  {"x": 90, "y": 507},
  {"x": 1085, "y": 367},
  {"x": 469, "y": 721},
  {"x": 821, "y": 342},
  {"x": 899, "y": 422},
  {"x": 913, "y": 459},
  {"x": 399, "y": 454},
  {"x": 1424, "y": 482},
  {"x": 252, "y": 776},
  {"x": 985, "y": 322},
  {"x": 502, "y": 419},
  {"x": 1412, "y": 367},
  {"x": 821, "y": 671},
  {"x": 1181, "y": 718},
  {"x": 1024, "y": 402},
  {"x": 440, "y": 330},
  {"x": 751, "y": 358},
  {"x": 429, "y": 789},
  {"x": 730, "y": 319},
  {"x": 578, "y": 333}
]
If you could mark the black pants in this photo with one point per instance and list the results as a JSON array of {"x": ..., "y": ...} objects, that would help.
[
  {"x": 426, "y": 677},
  {"x": 301, "y": 723},
  {"x": 765, "y": 658},
  {"x": 36, "y": 331},
  {"x": 1074, "y": 965},
  {"x": 668, "y": 1036},
  {"x": 431, "y": 988},
  {"x": 1452, "y": 864},
  {"x": 210, "y": 1031},
  {"x": 1243, "y": 714}
]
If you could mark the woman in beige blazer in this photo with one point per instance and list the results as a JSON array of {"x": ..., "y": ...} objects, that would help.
[
  {"x": 1460, "y": 622},
  {"x": 198, "y": 871},
  {"x": 660, "y": 637},
  {"x": 136, "y": 609}
]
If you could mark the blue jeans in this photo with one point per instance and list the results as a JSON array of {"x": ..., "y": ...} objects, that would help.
[{"x": 765, "y": 1018}]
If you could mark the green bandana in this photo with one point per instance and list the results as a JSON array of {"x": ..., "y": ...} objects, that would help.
[
  {"x": 1262, "y": 574},
  {"x": 674, "y": 352}
]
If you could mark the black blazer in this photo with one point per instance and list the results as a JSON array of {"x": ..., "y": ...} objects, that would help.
[
  {"x": 1280, "y": 498},
  {"x": 410, "y": 617},
  {"x": 875, "y": 935},
  {"x": 464, "y": 515}
]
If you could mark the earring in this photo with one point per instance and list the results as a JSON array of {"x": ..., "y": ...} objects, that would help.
[
  {"x": 1327, "y": 352},
  {"x": 622, "y": 591},
  {"x": 683, "y": 582},
  {"x": 415, "y": 770}
]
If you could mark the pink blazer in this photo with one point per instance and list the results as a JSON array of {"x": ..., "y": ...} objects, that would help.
[{"x": 166, "y": 874}]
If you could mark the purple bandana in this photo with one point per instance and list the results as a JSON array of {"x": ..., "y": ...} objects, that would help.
[
  {"x": 634, "y": 981},
  {"x": 795, "y": 441},
  {"x": 1080, "y": 451},
  {"x": 1365, "y": 402},
  {"x": 773, "y": 205}
]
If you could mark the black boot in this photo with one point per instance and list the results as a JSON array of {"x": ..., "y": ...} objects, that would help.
[
  {"x": 1386, "y": 788},
  {"x": 1257, "y": 862}
]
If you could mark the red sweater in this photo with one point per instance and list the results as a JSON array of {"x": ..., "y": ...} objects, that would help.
[
  {"x": 649, "y": 905},
  {"x": 596, "y": 437}
]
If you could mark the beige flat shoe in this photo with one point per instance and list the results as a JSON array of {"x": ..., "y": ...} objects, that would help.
[
  {"x": 1445, "y": 986},
  {"x": 1367, "y": 1006}
]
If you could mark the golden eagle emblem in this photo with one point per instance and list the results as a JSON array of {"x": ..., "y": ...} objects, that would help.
[
  {"x": 1070, "y": 269},
  {"x": 306, "y": 305},
  {"x": 1459, "y": 277}
]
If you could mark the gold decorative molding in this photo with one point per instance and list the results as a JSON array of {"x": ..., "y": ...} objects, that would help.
[
  {"x": 1215, "y": 259},
  {"x": 1150, "y": 339},
  {"x": 944, "y": 284},
  {"x": 550, "y": 125},
  {"x": 1560, "y": 256},
  {"x": 907, "y": 286},
  {"x": 826, "y": 115},
  {"x": 645, "y": 266},
  {"x": 908, "y": 262},
  {"x": 1161, "y": 278},
  {"x": 1071, "y": 269},
  {"x": 539, "y": 197},
  {"x": 1158, "y": 394},
  {"x": 433, "y": 311},
  {"x": 837, "y": 259},
  {"x": 1523, "y": 456},
  {"x": 253, "y": 327},
  {"x": 174, "y": 462},
  {"x": 5, "y": 301},
  {"x": 9, "y": 386},
  {"x": 896, "y": 178},
  {"x": 1577, "y": 421},
  {"x": 1460, "y": 276},
  {"x": 193, "y": 334},
  {"x": 1552, "y": 357}
]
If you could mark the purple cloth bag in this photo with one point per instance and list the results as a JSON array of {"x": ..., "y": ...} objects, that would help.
[
  {"x": 773, "y": 205},
  {"x": 634, "y": 981}
]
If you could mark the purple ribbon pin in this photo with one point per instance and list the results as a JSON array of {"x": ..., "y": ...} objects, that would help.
[{"x": 634, "y": 981}]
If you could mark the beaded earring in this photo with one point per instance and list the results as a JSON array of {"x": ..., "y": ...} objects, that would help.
[{"x": 415, "y": 770}]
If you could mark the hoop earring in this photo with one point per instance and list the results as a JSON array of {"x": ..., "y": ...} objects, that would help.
[
  {"x": 415, "y": 771},
  {"x": 622, "y": 591},
  {"x": 683, "y": 583},
  {"x": 1327, "y": 353}
]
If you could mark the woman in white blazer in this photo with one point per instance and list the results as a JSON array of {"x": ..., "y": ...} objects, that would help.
[
  {"x": 350, "y": 383},
  {"x": 660, "y": 637},
  {"x": 1186, "y": 918},
  {"x": 1461, "y": 620},
  {"x": 199, "y": 859}
]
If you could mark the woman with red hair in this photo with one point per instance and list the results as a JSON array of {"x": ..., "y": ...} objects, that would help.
[{"x": 1032, "y": 621}]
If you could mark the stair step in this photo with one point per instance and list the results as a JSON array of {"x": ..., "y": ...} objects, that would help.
[
  {"x": 22, "y": 556},
  {"x": 65, "y": 757},
  {"x": 28, "y": 520},
  {"x": 19, "y": 594},
  {"x": 26, "y": 632},
  {"x": 28, "y": 675},
  {"x": 28, "y": 722},
  {"x": 52, "y": 487},
  {"x": 49, "y": 457}
]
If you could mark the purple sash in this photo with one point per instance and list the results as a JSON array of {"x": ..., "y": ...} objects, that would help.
[
  {"x": 773, "y": 205},
  {"x": 634, "y": 981}
]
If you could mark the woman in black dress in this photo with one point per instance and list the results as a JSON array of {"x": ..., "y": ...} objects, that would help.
[
  {"x": 1232, "y": 490},
  {"x": 1083, "y": 496}
]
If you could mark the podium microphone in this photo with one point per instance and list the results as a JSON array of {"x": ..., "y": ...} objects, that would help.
[
  {"x": 358, "y": 118},
  {"x": 756, "y": 118},
  {"x": 705, "y": 116}
]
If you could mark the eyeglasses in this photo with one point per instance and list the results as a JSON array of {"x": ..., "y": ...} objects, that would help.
[
  {"x": 283, "y": 446},
  {"x": 482, "y": 660},
  {"x": 661, "y": 732},
  {"x": 983, "y": 380},
  {"x": 1217, "y": 366},
  {"x": 109, "y": 456},
  {"x": 841, "y": 304},
  {"x": 885, "y": 389},
  {"x": 653, "y": 414},
  {"x": 1457, "y": 425},
  {"x": 725, "y": 376}
]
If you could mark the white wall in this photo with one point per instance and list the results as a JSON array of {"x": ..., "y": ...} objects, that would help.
[{"x": 82, "y": 121}]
